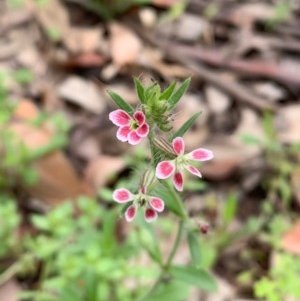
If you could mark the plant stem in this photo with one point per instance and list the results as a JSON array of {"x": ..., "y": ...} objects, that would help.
[
  {"x": 177, "y": 198},
  {"x": 168, "y": 262},
  {"x": 9, "y": 273},
  {"x": 175, "y": 245}
]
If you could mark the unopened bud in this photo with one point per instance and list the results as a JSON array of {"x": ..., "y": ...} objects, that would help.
[
  {"x": 147, "y": 179},
  {"x": 204, "y": 227},
  {"x": 164, "y": 146}
]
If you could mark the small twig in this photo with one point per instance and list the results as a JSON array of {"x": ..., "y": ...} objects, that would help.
[
  {"x": 249, "y": 67},
  {"x": 9, "y": 273},
  {"x": 231, "y": 87}
]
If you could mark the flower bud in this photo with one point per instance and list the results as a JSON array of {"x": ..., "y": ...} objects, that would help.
[
  {"x": 147, "y": 179},
  {"x": 164, "y": 146}
]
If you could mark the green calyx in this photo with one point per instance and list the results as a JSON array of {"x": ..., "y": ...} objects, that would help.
[
  {"x": 147, "y": 179},
  {"x": 158, "y": 105}
]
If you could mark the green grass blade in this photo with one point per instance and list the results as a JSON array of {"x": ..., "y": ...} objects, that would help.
[
  {"x": 120, "y": 102},
  {"x": 140, "y": 90},
  {"x": 184, "y": 128},
  {"x": 194, "y": 276},
  {"x": 168, "y": 91},
  {"x": 173, "y": 100}
]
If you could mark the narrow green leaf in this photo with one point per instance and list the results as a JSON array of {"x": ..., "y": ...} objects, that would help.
[
  {"x": 173, "y": 100},
  {"x": 193, "y": 276},
  {"x": 194, "y": 247},
  {"x": 91, "y": 286},
  {"x": 168, "y": 91},
  {"x": 120, "y": 102},
  {"x": 140, "y": 90},
  {"x": 167, "y": 192},
  {"x": 148, "y": 239},
  {"x": 230, "y": 208},
  {"x": 250, "y": 139},
  {"x": 185, "y": 127},
  {"x": 175, "y": 291}
]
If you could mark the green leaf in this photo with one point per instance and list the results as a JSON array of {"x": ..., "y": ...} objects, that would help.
[
  {"x": 173, "y": 100},
  {"x": 148, "y": 238},
  {"x": 168, "y": 194},
  {"x": 230, "y": 208},
  {"x": 91, "y": 286},
  {"x": 194, "y": 247},
  {"x": 120, "y": 102},
  {"x": 168, "y": 91},
  {"x": 175, "y": 291},
  {"x": 140, "y": 90},
  {"x": 40, "y": 222},
  {"x": 185, "y": 127},
  {"x": 268, "y": 126},
  {"x": 193, "y": 276},
  {"x": 250, "y": 139}
]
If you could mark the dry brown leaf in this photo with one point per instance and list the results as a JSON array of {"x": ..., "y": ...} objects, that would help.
[
  {"x": 291, "y": 240},
  {"x": 246, "y": 14},
  {"x": 125, "y": 45},
  {"x": 57, "y": 177},
  {"x": 295, "y": 182},
  {"x": 229, "y": 156},
  {"x": 190, "y": 28},
  {"x": 52, "y": 16},
  {"x": 288, "y": 125},
  {"x": 164, "y": 3},
  {"x": 85, "y": 60},
  {"x": 218, "y": 101},
  {"x": 152, "y": 58},
  {"x": 10, "y": 290},
  {"x": 83, "y": 93},
  {"x": 100, "y": 170},
  {"x": 81, "y": 40},
  {"x": 26, "y": 110},
  {"x": 55, "y": 21}
]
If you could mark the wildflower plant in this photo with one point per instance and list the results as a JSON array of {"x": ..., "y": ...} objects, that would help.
[{"x": 162, "y": 183}]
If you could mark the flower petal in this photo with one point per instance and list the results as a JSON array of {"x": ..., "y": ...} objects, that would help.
[
  {"x": 200, "y": 154},
  {"x": 165, "y": 169},
  {"x": 157, "y": 204},
  {"x": 122, "y": 195},
  {"x": 143, "y": 130},
  {"x": 178, "y": 145},
  {"x": 133, "y": 138},
  {"x": 130, "y": 213},
  {"x": 150, "y": 215},
  {"x": 119, "y": 117},
  {"x": 193, "y": 170},
  {"x": 122, "y": 133},
  {"x": 178, "y": 181},
  {"x": 139, "y": 117}
]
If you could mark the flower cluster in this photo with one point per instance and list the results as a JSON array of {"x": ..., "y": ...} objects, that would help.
[
  {"x": 151, "y": 204},
  {"x": 133, "y": 127},
  {"x": 174, "y": 168}
]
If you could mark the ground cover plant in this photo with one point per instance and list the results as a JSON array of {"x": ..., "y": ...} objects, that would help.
[{"x": 149, "y": 150}]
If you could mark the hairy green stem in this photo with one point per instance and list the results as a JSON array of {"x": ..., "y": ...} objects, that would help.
[
  {"x": 168, "y": 262},
  {"x": 177, "y": 198},
  {"x": 183, "y": 218},
  {"x": 175, "y": 245}
]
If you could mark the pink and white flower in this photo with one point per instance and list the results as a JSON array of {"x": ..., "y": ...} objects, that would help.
[
  {"x": 152, "y": 204},
  {"x": 174, "y": 168},
  {"x": 131, "y": 129}
]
